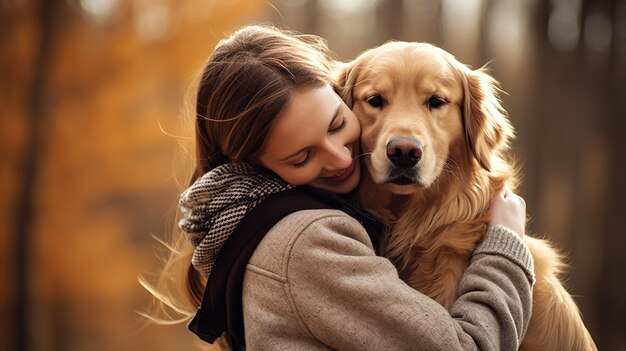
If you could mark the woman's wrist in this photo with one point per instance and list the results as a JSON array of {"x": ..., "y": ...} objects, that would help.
[{"x": 500, "y": 240}]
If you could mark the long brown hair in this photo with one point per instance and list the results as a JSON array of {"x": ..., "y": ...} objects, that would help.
[{"x": 244, "y": 86}]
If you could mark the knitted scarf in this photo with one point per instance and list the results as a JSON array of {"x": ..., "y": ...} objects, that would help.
[{"x": 214, "y": 204}]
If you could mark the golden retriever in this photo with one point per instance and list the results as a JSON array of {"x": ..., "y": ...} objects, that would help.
[{"x": 436, "y": 139}]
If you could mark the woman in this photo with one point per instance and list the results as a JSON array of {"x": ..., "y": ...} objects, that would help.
[{"x": 268, "y": 119}]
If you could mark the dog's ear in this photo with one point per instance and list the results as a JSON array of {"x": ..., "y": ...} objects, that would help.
[
  {"x": 487, "y": 127},
  {"x": 344, "y": 81}
]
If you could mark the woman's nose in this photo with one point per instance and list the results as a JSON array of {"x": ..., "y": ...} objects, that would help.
[{"x": 339, "y": 157}]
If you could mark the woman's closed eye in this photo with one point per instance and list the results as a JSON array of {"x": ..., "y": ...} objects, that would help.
[
  {"x": 303, "y": 161},
  {"x": 337, "y": 125}
]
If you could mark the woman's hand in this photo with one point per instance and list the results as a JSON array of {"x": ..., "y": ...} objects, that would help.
[{"x": 509, "y": 210}]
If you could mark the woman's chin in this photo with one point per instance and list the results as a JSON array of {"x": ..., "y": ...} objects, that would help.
[{"x": 343, "y": 187}]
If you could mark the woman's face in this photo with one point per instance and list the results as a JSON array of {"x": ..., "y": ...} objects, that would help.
[{"x": 315, "y": 142}]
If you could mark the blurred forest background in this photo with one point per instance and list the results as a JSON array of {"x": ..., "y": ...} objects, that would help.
[{"x": 93, "y": 94}]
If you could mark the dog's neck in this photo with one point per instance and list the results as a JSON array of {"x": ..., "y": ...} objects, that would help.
[{"x": 386, "y": 205}]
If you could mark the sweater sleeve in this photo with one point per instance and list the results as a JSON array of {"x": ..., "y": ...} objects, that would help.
[{"x": 350, "y": 299}]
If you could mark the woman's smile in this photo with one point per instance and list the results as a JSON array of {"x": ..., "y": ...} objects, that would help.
[{"x": 341, "y": 176}]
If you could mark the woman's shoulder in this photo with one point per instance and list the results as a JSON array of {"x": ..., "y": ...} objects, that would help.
[{"x": 308, "y": 230}]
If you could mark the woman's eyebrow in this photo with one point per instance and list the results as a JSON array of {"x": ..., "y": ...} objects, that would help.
[{"x": 335, "y": 115}]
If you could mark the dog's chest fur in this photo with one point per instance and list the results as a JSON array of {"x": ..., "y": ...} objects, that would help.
[{"x": 433, "y": 237}]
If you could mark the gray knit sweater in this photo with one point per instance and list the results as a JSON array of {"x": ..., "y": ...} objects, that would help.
[{"x": 315, "y": 283}]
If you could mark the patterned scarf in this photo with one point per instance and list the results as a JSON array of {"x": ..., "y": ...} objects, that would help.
[{"x": 212, "y": 207}]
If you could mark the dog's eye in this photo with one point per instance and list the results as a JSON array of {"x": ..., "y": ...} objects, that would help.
[
  {"x": 435, "y": 102},
  {"x": 376, "y": 101}
]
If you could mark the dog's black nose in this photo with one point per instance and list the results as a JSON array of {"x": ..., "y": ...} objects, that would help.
[{"x": 404, "y": 152}]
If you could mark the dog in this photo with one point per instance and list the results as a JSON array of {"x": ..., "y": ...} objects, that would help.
[{"x": 437, "y": 143}]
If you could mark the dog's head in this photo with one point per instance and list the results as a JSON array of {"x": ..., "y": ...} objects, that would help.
[{"x": 416, "y": 104}]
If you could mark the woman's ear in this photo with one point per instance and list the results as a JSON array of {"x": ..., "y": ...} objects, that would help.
[
  {"x": 487, "y": 127},
  {"x": 344, "y": 81}
]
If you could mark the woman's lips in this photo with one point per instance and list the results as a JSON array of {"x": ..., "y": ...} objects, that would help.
[{"x": 345, "y": 174}]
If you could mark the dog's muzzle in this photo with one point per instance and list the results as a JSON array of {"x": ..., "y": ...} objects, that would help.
[{"x": 404, "y": 154}]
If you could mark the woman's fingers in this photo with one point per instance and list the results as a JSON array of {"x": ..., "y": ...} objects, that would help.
[{"x": 509, "y": 209}]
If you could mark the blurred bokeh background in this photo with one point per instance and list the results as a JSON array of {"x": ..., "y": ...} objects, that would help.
[{"x": 93, "y": 96}]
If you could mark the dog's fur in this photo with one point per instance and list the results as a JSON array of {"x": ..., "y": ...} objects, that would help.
[{"x": 439, "y": 207}]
